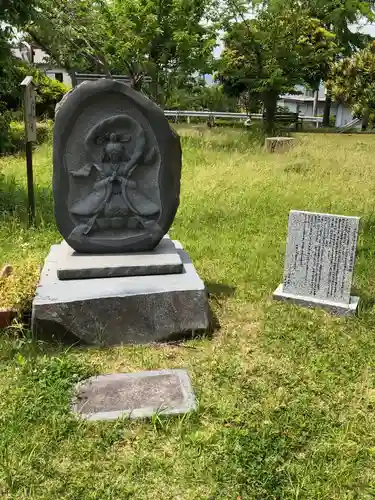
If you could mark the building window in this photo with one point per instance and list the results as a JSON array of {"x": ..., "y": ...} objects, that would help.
[
  {"x": 309, "y": 93},
  {"x": 59, "y": 77}
]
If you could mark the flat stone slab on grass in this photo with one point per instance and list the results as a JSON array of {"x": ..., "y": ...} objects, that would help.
[
  {"x": 164, "y": 259},
  {"x": 134, "y": 395}
]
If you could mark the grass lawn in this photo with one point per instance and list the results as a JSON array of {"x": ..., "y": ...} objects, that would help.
[{"x": 286, "y": 395}]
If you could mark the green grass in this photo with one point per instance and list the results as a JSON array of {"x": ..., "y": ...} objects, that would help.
[{"x": 286, "y": 395}]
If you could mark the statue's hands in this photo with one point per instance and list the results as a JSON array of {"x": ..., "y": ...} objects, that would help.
[
  {"x": 102, "y": 182},
  {"x": 124, "y": 170},
  {"x": 85, "y": 171}
]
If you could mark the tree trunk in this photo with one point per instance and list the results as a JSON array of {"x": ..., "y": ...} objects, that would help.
[
  {"x": 137, "y": 82},
  {"x": 156, "y": 94},
  {"x": 365, "y": 119},
  {"x": 315, "y": 104},
  {"x": 327, "y": 110},
  {"x": 270, "y": 106}
]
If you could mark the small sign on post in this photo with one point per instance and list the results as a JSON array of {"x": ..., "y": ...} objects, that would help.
[{"x": 30, "y": 137}]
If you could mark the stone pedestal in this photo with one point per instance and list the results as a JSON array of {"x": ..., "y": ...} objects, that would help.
[
  {"x": 164, "y": 259},
  {"x": 334, "y": 307},
  {"x": 278, "y": 144},
  {"x": 122, "y": 309}
]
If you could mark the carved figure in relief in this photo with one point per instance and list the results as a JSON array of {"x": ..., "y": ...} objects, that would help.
[{"x": 110, "y": 198}]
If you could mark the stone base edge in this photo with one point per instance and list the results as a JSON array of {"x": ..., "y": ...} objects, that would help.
[
  {"x": 121, "y": 310},
  {"x": 336, "y": 308}
]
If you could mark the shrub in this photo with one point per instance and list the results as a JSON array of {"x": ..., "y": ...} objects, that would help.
[
  {"x": 12, "y": 140},
  {"x": 48, "y": 92},
  {"x": 5, "y": 118}
]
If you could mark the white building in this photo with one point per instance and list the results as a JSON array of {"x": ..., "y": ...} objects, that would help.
[
  {"x": 41, "y": 60},
  {"x": 303, "y": 103}
]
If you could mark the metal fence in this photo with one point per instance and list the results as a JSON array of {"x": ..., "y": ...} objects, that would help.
[
  {"x": 211, "y": 115},
  {"x": 78, "y": 78}
]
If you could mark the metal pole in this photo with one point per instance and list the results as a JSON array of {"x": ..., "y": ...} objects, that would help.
[{"x": 30, "y": 184}]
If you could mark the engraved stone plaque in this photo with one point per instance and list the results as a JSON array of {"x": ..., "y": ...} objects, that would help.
[
  {"x": 320, "y": 256},
  {"x": 134, "y": 395}
]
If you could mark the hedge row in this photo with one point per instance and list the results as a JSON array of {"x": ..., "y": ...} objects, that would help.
[{"x": 14, "y": 141}]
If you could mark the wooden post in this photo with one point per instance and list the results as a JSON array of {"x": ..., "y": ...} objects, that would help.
[{"x": 30, "y": 137}]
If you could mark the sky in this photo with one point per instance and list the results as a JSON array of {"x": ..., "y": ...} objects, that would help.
[{"x": 368, "y": 28}]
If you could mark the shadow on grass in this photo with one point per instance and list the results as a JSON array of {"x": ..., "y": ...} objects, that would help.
[
  {"x": 366, "y": 302},
  {"x": 18, "y": 338},
  {"x": 217, "y": 292},
  {"x": 365, "y": 260}
]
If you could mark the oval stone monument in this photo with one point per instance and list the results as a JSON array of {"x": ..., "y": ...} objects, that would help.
[
  {"x": 116, "y": 169},
  {"x": 117, "y": 278}
]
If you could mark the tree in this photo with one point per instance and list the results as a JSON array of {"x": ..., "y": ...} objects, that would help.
[
  {"x": 201, "y": 97},
  {"x": 162, "y": 39},
  {"x": 13, "y": 15},
  {"x": 272, "y": 53},
  {"x": 352, "y": 81},
  {"x": 71, "y": 33},
  {"x": 338, "y": 18}
]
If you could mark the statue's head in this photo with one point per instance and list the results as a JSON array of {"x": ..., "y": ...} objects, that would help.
[{"x": 114, "y": 148}]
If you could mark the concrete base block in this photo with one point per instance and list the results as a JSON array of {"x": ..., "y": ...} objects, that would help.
[
  {"x": 121, "y": 310},
  {"x": 164, "y": 259},
  {"x": 336, "y": 308}
]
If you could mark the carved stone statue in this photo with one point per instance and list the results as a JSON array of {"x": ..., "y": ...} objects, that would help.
[
  {"x": 117, "y": 167},
  {"x": 109, "y": 205}
]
